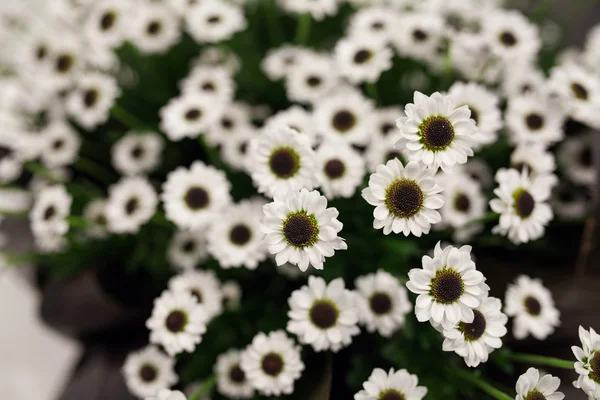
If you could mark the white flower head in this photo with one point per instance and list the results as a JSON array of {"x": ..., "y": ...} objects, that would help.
[
  {"x": 570, "y": 202},
  {"x": 212, "y": 21},
  {"x": 588, "y": 363},
  {"x": 61, "y": 145},
  {"x": 148, "y": 371},
  {"x": 204, "y": 286},
  {"x": 137, "y": 153},
  {"x": 362, "y": 58},
  {"x": 311, "y": 77},
  {"x": 155, "y": 27},
  {"x": 531, "y": 386},
  {"x": 106, "y": 22},
  {"x": 131, "y": 203},
  {"x": 391, "y": 385},
  {"x": 232, "y": 295},
  {"x": 49, "y": 213},
  {"x": 466, "y": 202},
  {"x": 419, "y": 35},
  {"x": 521, "y": 79},
  {"x": 534, "y": 119},
  {"x": 279, "y": 62},
  {"x": 380, "y": 22},
  {"x": 189, "y": 115},
  {"x": 95, "y": 214},
  {"x": 231, "y": 379},
  {"x": 214, "y": 81},
  {"x": 511, "y": 35},
  {"x": 89, "y": 104},
  {"x": 187, "y": 249},
  {"x": 342, "y": 169},
  {"x": 535, "y": 157},
  {"x": 296, "y": 118},
  {"x": 575, "y": 156},
  {"x": 234, "y": 123}
]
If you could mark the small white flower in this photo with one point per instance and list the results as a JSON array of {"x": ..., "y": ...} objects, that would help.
[
  {"x": 137, "y": 153},
  {"x": 187, "y": 249},
  {"x": 521, "y": 79},
  {"x": 214, "y": 20},
  {"x": 532, "y": 306},
  {"x": 148, "y": 371},
  {"x": 272, "y": 363},
  {"x": 189, "y": 115},
  {"x": 382, "y": 302},
  {"x": 49, "y": 214},
  {"x": 177, "y": 322},
  {"x": 131, "y": 203},
  {"x": 279, "y": 62},
  {"x": 379, "y": 22},
  {"x": 449, "y": 287},
  {"x": 575, "y": 156},
  {"x": 511, "y": 35},
  {"x": 362, "y": 58},
  {"x": 167, "y": 394},
  {"x": 61, "y": 145},
  {"x": 215, "y": 56},
  {"x": 234, "y": 122},
  {"x": 588, "y": 363},
  {"x": 405, "y": 198},
  {"x": 393, "y": 385},
  {"x": 384, "y": 122},
  {"x": 106, "y": 22},
  {"x": 299, "y": 228},
  {"x": 66, "y": 61},
  {"x": 535, "y": 157},
  {"x": 342, "y": 169},
  {"x": 466, "y": 203},
  {"x": 419, "y": 35},
  {"x": 296, "y": 118},
  {"x": 213, "y": 81},
  {"x": 318, "y": 9},
  {"x": 95, "y": 214},
  {"x": 93, "y": 97},
  {"x": 472, "y": 57},
  {"x": 535, "y": 119},
  {"x": 569, "y": 203},
  {"x": 312, "y": 77},
  {"x": 235, "y": 150},
  {"x": 154, "y": 27},
  {"x": 530, "y": 386},
  {"x": 204, "y": 286},
  {"x": 232, "y": 295},
  {"x": 231, "y": 379}
]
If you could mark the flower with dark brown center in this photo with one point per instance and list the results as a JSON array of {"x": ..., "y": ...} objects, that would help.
[
  {"x": 579, "y": 91},
  {"x": 188, "y": 246},
  {"x": 137, "y": 151},
  {"x": 534, "y": 121},
  {"x": 524, "y": 203},
  {"x": 240, "y": 234},
  {"x": 334, "y": 169},
  {"x": 380, "y": 303},
  {"x": 148, "y": 373},
  {"x": 391, "y": 394},
  {"x": 284, "y": 162},
  {"x": 362, "y": 56},
  {"x": 41, "y": 52},
  {"x": 343, "y": 121},
  {"x": 447, "y": 286},
  {"x": 313, "y": 81},
  {"x": 58, "y": 144},
  {"x": 208, "y": 86},
  {"x": 49, "y": 213},
  {"x": 419, "y": 35},
  {"x": 508, "y": 39},
  {"x": 214, "y": 19},
  {"x": 243, "y": 147},
  {"x": 462, "y": 202},
  {"x": 534, "y": 395},
  {"x": 474, "y": 330},
  {"x": 386, "y": 128},
  {"x": 227, "y": 123},
  {"x": 272, "y": 364},
  {"x": 154, "y": 27},
  {"x": 193, "y": 114},
  {"x": 595, "y": 367},
  {"x": 437, "y": 133},
  {"x": 323, "y": 314},
  {"x": 404, "y": 198},
  {"x": 176, "y": 321},
  {"x": 107, "y": 20},
  {"x": 132, "y": 205},
  {"x": 532, "y": 306},
  {"x": 90, "y": 97},
  {"x": 236, "y": 374},
  {"x": 300, "y": 229},
  {"x": 64, "y": 62},
  {"x": 196, "y": 198},
  {"x": 377, "y": 26}
]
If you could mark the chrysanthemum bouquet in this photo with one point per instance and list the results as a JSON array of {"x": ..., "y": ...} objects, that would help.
[{"x": 285, "y": 179}]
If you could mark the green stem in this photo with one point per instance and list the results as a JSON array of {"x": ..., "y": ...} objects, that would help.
[
  {"x": 205, "y": 389},
  {"x": 303, "y": 28},
  {"x": 93, "y": 169},
  {"x": 274, "y": 28},
  {"x": 542, "y": 360},
  {"x": 372, "y": 91},
  {"x": 481, "y": 384},
  {"x": 125, "y": 117}
]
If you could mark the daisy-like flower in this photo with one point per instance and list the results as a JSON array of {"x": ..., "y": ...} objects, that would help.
[
  {"x": 523, "y": 204},
  {"x": 235, "y": 150},
  {"x": 213, "y": 81},
  {"x": 521, "y": 79},
  {"x": 390, "y": 386},
  {"x": 588, "y": 363},
  {"x": 131, "y": 203},
  {"x": 449, "y": 287},
  {"x": 341, "y": 169},
  {"x": 66, "y": 61},
  {"x": 61, "y": 145},
  {"x": 511, "y": 35},
  {"x": 95, "y": 214},
  {"x": 149, "y": 370},
  {"x": 575, "y": 157},
  {"x": 530, "y": 386},
  {"x": 235, "y": 121},
  {"x": 362, "y": 58},
  {"x": 155, "y": 27},
  {"x": 535, "y": 157},
  {"x": 382, "y": 302},
  {"x": 214, "y": 20},
  {"x": 312, "y": 77},
  {"x": 299, "y": 228},
  {"x": 272, "y": 363},
  {"x": 282, "y": 161},
  {"x": 344, "y": 115},
  {"x": 437, "y": 132},
  {"x": 166, "y": 394},
  {"x": 11, "y": 159},
  {"x": 318, "y": 9},
  {"x": 419, "y": 35},
  {"x": 214, "y": 56},
  {"x": 379, "y": 22},
  {"x": 106, "y": 22},
  {"x": 232, "y": 295},
  {"x": 534, "y": 118},
  {"x": 280, "y": 61},
  {"x": 323, "y": 315},
  {"x": 204, "y": 286},
  {"x": 193, "y": 197},
  {"x": 569, "y": 202},
  {"x": 296, "y": 118},
  {"x": 137, "y": 153},
  {"x": 472, "y": 57},
  {"x": 474, "y": 341},
  {"x": 90, "y": 102},
  {"x": 187, "y": 249},
  {"x": 189, "y": 115},
  {"x": 231, "y": 379},
  {"x": 405, "y": 198},
  {"x": 532, "y": 306},
  {"x": 49, "y": 213},
  {"x": 466, "y": 203},
  {"x": 177, "y": 322}
]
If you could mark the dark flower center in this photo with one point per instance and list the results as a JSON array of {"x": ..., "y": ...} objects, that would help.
[
  {"x": 284, "y": 162},
  {"x": 188, "y": 246},
  {"x": 404, "y": 198},
  {"x": 419, "y": 35},
  {"x": 334, "y": 168},
  {"x": 301, "y": 229},
  {"x": 64, "y": 63},
  {"x": 101, "y": 220},
  {"x": 595, "y": 366},
  {"x": 508, "y": 39},
  {"x": 532, "y": 306},
  {"x": 534, "y": 121},
  {"x": 215, "y": 19},
  {"x": 313, "y": 81},
  {"x": 236, "y": 374},
  {"x": 386, "y": 128},
  {"x": 377, "y": 26},
  {"x": 90, "y": 97},
  {"x": 58, "y": 144},
  {"x": 524, "y": 203},
  {"x": 240, "y": 234},
  {"x": 585, "y": 157},
  {"x": 108, "y": 20},
  {"x": 4, "y": 151},
  {"x": 49, "y": 213},
  {"x": 534, "y": 395},
  {"x": 343, "y": 121},
  {"x": 227, "y": 123},
  {"x": 243, "y": 147},
  {"x": 462, "y": 202},
  {"x": 391, "y": 394},
  {"x": 474, "y": 330},
  {"x": 137, "y": 151},
  {"x": 380, "y": 303},
  {"x": 197, "y": 198},
  {"x": 323, "y": 314},
  {"x": 193, "y": 114},
  {"x": 176, "y": 321},
  {"x": 436, "y": 133},
  {"x": 579, "y": 91},
  {"x": 362, "y": 56},
  {"x": 272, "y": 364},
  {"x": 208, "y": 86},
  {"x": 447, "y": 286},
  {"x": 131, "y": 205},
  {"x": 41, "y": 52},
  {"x": 148, "y": 373},
  {"x": 154, "y": 27}
]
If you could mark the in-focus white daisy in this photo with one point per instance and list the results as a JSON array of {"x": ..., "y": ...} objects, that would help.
[
  {"x": 89, "y": 104},
  {"x": 535, "y": 157},
  {"x": 474, "y": 341},
  {"x": 154, "y": 27},
  {"x": 392, "y": 385},
  {"x": 449, "y": 287},
  {"x": 137, "y": 153},
  {"x": 187, "y": 249},
  {"x": 380, "y": 151},
  {"x": 311, "y": 77},
  {"x": 106, "y": 22},
  {"x": 282, "y": 161},
  {"x": 296, "y": 118},
  {"x": 204, "y": 286},
  {"x": 405, "y": 198},
  {"x": 530, "y": 386},
  {"x": 131, "y": 203},
  {"x": 235, "y": 239},
  {"x": 193, "y": 197},
  {"x": 166, "y": 394},
  {"x": 419, "y": 35},
  {"x": 342, "y": 169},
  {"x": 189, "y": 115},
  {"x": 231, "y": 379},
  {"x": 466, "y": 203},
  {"x": 523, "y": 204},
  {"x": 588, "y": 363},
  {"x": 362, "y": 58},
  {"x": 437, "y": 132},
  {"x": 280, "y": 61},
  {"x": 318, "y": 9},
  {"x": 213, "y": 81},
  {"x": 575, "y": 157},
  {"x": 300, "y": 229},
  {"x": 532, "y": 306},
  {"x": 521, "y": 79},
  {"x": 61, "y": 145},
  {"x": 49, "y": 213},
  {"x": 148, "y": 371},
  {"x": 534, "y": 118},
  {"x": 177, "y": 322},
  {"x": 272, "y": 363},
  {"x": 235, "y": 121},
  {"x": 379, "y": 22},
  {"x": 569, "y": 202},
  {"x": 511, "y": 35},
  {"x": 232, "y": 295},
  {"x": 95, "y": 214},
  {"x": 214, "y": 20},
  {"x": 323, "y": 315},
  {"x": 382, "y": 302}
]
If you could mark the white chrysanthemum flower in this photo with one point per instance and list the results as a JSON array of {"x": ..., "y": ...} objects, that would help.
[
  {"x": 214, "y": 20},
  {"x": 204, "y": 286},
  {"x": 393, "y": 385},
  {"x": 384, "y": 123},
  {"x": 472, "y": 57},
  {"x": 588, "y": 363},
  {"x": 89, "y": 104},
  {"x": 95, "y": 214},
  {"x": 137, "y": 153},
  {"x": 379, "y": 152},
  {"x": 484, "y": 106},
  {"x": 187, "y": 249},
  {"x": 235, "y": 121},
  {"x": 148, "y": 371},
  {"x": 61, "y": 145},
  {"x": 300, "y": 229},
  {"x": 235, "y": 239},
  {"x": 312, "y": 77},
  {"x": 437, "y": 132},
  {"x": 511, "y": 35},
  {"x": 466, "y": 203},
  {"x": 232, "y": 295},
  {"x": 296, "y": 118},
  {"x": 575, "y": 157},
  {"x": 342, "y": 169},
  {"x": 474, "y": 341},
  {"x": 154, "y": 27},
  {"x": 282, "y": 161},
  {"x": 323, "y": 315},
  {"x": 521, "y": 79},
  {"x": 167, "y": 394},
  {"x": 379, "y": 22},
  {"x": 419, "y": 35},
  {"x": 280, "y": 61},
  {"x": 346, "y": 115},
  {"x": 215, "y": 56},
  {"x": 534, "y": 118},
  {"x": 193, "y": 197},
  {"x": 272, "y": 363},
  {"x": 213, "y": 81},
  {"x": 106, "y": 22},
  {"x": 405, "y": 198},
  {"x": 530, "y": 386},
  {"x": 231, "y": 379},
  {"x": 177, "y": 322},
  {"x": 532, "y": 306},
  {"x": 189, "y": 115},
  {"x": 131, "y": 203},
  {"x": 235, "y": 150},
  {"x": 569, "y": 202},
  {"x": 49, "y": 213},
  {"x": 382, "y": 302},
  {"x": 318, "y": 9},
  {"x": 522, "y": 203},
  {"x": 449, "y": 287},
  {"x": 362, "y": 58},
  {"x": 66, "y": 51},
  {"x": 535, "y": 157}
]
